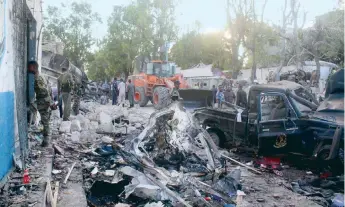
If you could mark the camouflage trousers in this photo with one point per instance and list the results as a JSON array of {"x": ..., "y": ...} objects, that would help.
[
  {"x": 76, "y": 104},
  {"x": 66, "y": 99},
  {"x": 45, "y": 119}
]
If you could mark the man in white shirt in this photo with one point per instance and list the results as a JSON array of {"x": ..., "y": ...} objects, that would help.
[{"x": 122, "y": 92}]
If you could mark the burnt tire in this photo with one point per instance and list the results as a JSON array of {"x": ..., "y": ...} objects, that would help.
[
  {"x": 337, "y": 164},
  {"x": 217, "y": 136},
  {"x": 161, "y": 97},
  {"x": 324, "y": 152},
  {"x": 139, "y": 96}
]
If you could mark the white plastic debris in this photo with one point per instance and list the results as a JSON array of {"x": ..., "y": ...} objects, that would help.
[
  {"x": 122, "y": 205},
  {"x": 239, "y": 197},
  {"x": 109, "y": 173},
  {"x": 65, "y": 127},
  {"x": 107, "y": 139},
  {"x": 117, "y": 177},
  {"x": 55, "y": 172},
  {"x": 159, "y": 204},
  {"x": 309, "y": 173},
  {"x": 94, "y": 171},
  {"x": 239, "y": 118}
]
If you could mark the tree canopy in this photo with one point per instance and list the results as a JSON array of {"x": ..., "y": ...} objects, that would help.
[
  {"x": 141, "y": 28},
  {"x": 74, "y": 30}
]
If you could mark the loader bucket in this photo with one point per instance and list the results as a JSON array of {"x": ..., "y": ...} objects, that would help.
[{"x": 196, "y": 98}]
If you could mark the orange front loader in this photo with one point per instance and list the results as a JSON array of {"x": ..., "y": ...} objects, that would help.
[{"x": 155, "y": 82}]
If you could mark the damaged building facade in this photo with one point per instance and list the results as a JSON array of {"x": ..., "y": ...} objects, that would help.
[{"x": 20, "y": 37}]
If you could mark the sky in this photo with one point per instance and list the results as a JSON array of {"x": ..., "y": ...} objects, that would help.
[{"x": 210, "y": 13}]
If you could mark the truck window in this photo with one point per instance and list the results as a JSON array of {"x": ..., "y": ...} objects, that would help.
[
  {"x": 273, "y": 107},
  {"x": 301, "y": 92}
]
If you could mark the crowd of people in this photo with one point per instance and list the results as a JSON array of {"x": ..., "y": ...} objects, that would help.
[
  {"x": 50, "y": 98},
  {"x": 117, "y": 91},
  {"x": 221, "y": 96}
]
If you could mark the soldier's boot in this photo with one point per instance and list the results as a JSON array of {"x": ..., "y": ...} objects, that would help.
[{"x": 46, "y": 141}]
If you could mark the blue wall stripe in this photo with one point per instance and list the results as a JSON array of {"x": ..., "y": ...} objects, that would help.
[{"x": 6, "y": 132}]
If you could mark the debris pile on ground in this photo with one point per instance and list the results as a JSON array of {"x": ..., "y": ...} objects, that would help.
[
  {"x": 133, "y": 157},
  {"x": 172, "y": 160}
]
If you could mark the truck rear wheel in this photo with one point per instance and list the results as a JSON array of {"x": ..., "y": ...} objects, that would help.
[
  {"x": 217, "y": 136},
  {"x": 139, "y": 96},
  {"x": 161, "y": 97}
]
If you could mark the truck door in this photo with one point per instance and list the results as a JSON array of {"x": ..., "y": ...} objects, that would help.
[{"x": 277, "y": 131}]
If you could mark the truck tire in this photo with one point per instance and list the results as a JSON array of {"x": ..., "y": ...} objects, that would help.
[
  {"x": 337, "y": 164},
  {"x": 217, "y": 136},
  {"x": 139, "y": 96},
  {"x": 161, "y": 97}
]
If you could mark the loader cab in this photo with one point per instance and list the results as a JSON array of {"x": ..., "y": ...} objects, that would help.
[{"x": 161, "y": 69}]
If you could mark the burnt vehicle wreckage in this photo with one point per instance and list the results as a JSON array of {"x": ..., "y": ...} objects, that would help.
[{"x": 283, "y": 117}]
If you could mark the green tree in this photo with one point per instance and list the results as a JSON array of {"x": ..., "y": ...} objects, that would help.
[
  {"x": 265, "y": 41},
  {"x": 193, "y": 48},
  {"x": 74, "y": 30},
  {"x": 139, "y": 28}
]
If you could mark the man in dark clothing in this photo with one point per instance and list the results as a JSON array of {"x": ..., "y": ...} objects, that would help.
[
  {"x": 229, "y": 96},
  {"x": 130, "y": 92},
  {"x": 241, "y": 97},
  {"x": 214, "y": 92},
  {"x": 65, "y": 86},
  {"x": 114, "y": 91},
  {"x": 175, "y": 95}
]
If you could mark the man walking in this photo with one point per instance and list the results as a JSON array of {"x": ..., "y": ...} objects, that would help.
[
  {"x": 44, "y": 102},
  {"x": 65, "y": 85},
  {"x": 241, "y": 97},
  {"x": 114, "y": 91},
  {"x": 122, "y": 92},
  {"x": 130, "y": 91}
]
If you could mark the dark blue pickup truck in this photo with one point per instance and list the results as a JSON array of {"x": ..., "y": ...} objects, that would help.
[{"x": 283, "y": 117}]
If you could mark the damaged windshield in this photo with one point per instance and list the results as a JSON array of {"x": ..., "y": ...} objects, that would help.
[{"x": 303, "y": 106}]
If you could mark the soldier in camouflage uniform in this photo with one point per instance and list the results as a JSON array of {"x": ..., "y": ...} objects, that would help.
[
  {"x": 44, "y": 103},
  {"x": 65, "y": 86}
]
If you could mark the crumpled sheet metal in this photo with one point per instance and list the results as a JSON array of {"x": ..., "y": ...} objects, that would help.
[
  {"x": 142, "y": 187},
  {"x": 185, "y": 136},
  {"x": 171, "y": 130}
]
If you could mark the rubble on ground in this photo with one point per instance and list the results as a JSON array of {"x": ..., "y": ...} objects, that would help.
[{"x": 133, "y": 157}]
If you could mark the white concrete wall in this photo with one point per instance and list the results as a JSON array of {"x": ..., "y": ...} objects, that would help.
[{"x": 36, "y": 8}]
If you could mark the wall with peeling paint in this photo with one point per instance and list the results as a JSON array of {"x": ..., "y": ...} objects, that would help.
[{"x": 15, "y": 20}]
